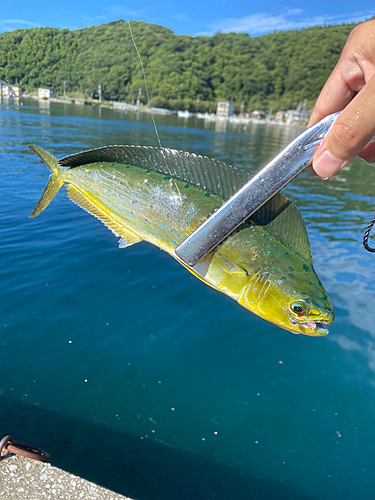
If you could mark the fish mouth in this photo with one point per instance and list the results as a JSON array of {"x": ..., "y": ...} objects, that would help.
[{"x": 319, "y": 329}]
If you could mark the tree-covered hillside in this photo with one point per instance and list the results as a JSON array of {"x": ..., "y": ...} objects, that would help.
[{"x": 278, "y": 69}]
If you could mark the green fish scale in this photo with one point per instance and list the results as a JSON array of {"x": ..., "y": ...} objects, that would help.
[{"x": 146, "y": 203}]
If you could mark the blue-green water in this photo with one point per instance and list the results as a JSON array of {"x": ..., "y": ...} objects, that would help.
[{"x": 134, "y": 374}]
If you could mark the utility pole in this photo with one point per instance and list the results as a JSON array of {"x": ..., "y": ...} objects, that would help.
[
  {"x": 64, "y": 88},
  {"x": 304, "y": 113},
  {"x": 100, "y": 92}
]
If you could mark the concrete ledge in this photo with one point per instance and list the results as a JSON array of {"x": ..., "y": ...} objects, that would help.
[{"x": 26, "y": 479}]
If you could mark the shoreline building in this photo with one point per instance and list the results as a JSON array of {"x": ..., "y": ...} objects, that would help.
[
  {"x": 45, "y": 93},
  {"x": 259, "y": 115},
  {"x": 8, "y": 90},
  {"x": 225, "y": 109},
  {"x": 280, "y": 116}
]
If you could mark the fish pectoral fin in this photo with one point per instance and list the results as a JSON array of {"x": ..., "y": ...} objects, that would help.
[
  {"x": 127, "y": 237},
  {"x": 228, "y": 265}
]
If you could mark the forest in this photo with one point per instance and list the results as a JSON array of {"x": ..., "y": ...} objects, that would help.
[{"x": 183, "y": 72}]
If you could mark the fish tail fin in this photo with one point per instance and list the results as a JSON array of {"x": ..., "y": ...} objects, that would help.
[{"x": 54, "y": 183}]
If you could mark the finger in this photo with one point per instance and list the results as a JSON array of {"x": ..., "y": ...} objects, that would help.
[
  {"x": 351, "y": 131},
  {"x": 335, "y": 95},
  {"x": 368, "y": 153}
]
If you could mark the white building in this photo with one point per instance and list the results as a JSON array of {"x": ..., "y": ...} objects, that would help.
[
  {"x": 225, "y": 109},
  {"x": 259, "y": 115},
  {"x": 45, "y": 93},
  {"x": 9, "y": 90},
  {"x": 292, "y": 116}
]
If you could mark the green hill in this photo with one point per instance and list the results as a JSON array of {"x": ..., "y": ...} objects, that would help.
[{"x": 183, "y": 72}]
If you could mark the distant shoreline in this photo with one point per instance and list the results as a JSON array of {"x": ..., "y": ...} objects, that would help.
[{"x": 132, "y": 108}]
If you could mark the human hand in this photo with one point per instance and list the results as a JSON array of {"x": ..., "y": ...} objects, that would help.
[{"x": 351, "y": 88}]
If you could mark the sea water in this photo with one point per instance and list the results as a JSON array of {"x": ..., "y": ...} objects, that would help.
[{"x": 132, "y": 373}]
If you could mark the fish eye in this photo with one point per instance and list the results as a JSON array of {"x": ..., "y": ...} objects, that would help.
[
  {"x": 297, "y": 309},
  {"x": 300, "y": 307}
]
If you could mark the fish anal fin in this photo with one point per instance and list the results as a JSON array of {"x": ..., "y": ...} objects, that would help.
[
  {"x": 127, "y": 237},
  {"x": 127, "y": 240}
]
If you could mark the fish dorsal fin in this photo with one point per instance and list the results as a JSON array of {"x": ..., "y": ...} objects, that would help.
[
  {"x": 211, "y": 175},
  {"x": 284, "y": 221},
  {"x": 127, "y": 237}
]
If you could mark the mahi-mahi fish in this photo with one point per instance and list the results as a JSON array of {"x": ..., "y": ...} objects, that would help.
[{"x": 162, "y": 195}]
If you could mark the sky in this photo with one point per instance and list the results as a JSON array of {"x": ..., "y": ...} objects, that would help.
[{"x": 188, "y": 17}]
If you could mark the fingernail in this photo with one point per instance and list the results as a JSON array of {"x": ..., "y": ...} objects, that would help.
[{"x": 328, "y": 164}]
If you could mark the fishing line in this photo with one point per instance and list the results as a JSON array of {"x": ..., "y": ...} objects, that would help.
[{"x": 144, "y": 79}]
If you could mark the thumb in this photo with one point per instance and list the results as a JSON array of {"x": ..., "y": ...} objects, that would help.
[{"x": 351, "y": 131}]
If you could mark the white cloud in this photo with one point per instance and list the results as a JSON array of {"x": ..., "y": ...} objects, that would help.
[
  {"x": 348, "y": 344},
  {"x": 13, "y": 22},
  {"x": 295, "y": 12},
  {"x": 181, "y": 17},
  {"x": 87, "y": 18},
  {"x": 122, "y": 10},
  {"x": 263, "y": 22}
]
